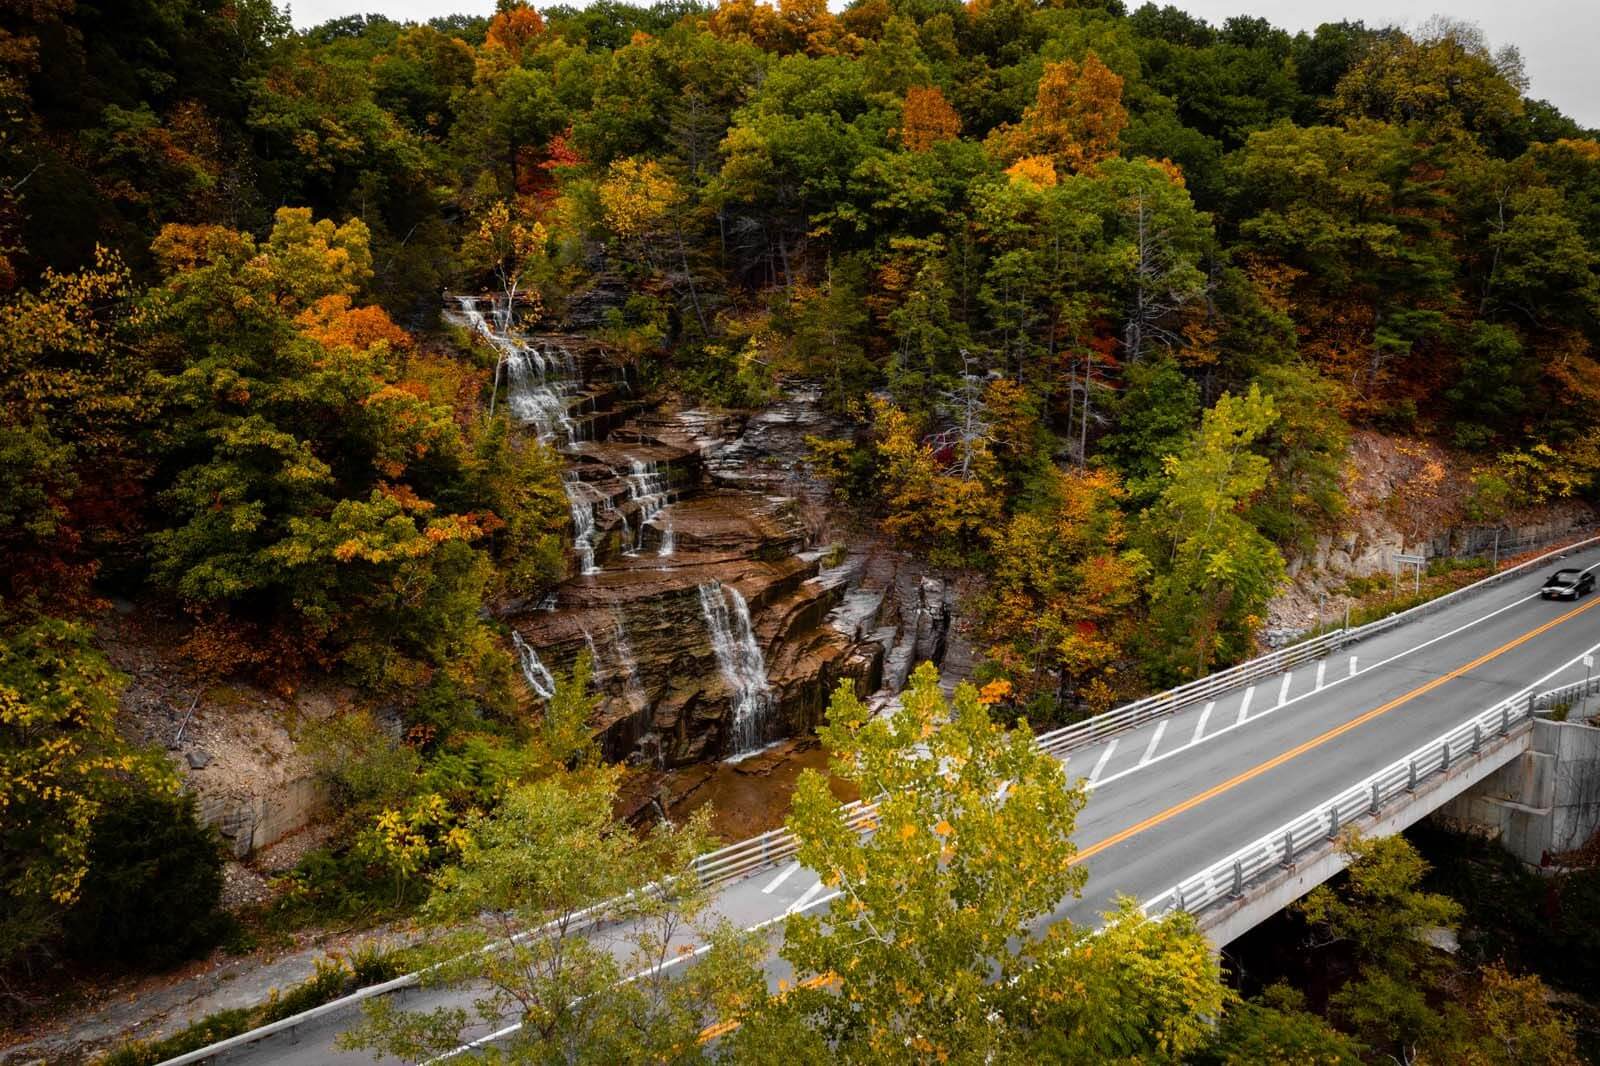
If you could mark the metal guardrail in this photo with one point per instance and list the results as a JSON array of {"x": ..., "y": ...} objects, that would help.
[
  {"x": 1318, "y": 829},
  {"x": 1566, "y": 694},
  {"x": 745, "y": 857},
  {"x": 1141, "y": 712}
]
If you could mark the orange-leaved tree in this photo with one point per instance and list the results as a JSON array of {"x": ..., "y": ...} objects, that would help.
[
  {"x": 927, "y": 118},
  {"x": 1076, "y": 118}
]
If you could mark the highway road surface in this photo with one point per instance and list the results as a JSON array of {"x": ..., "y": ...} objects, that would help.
[{"x": 1173, "y": 796}]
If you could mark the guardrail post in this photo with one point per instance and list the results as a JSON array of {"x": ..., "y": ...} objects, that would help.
[
  {"x": 1377, "y": 800},
  {"x": 1288, "y": 850},
  {"x": 1333, "y": 822},
  {"x": 1411, "y": 775},
  {"x": 1177, "y": 897},
  {"x": 1238, "y": 880},
  {"x": 1477, "y": 738},
  {"x": 1505, "y": 717},
  {"x": 1446, "y": 749}
]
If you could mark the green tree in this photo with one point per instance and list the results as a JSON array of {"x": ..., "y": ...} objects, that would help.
[
  {"x": 932, "y": 950},
  {"x": 938, "y": 905},
  {"x": 1214, "y": 570},
  {"x": 1137, "y": 990},
  {"x": 1383, "y": 915},
  {"x": 153, "y": 884},
  {"x": 1354, "y": 232},
  {"x": 1278, "y": 1028},
  {"x": 830, "y": 330},
  {"x": 1154, "y": 416},
  {"x": 299, "y": 462},
  {"x": 1443, "y": 77},
  {"x": 1495, "y": 387},
  {"x": 1306, "y": 446}
]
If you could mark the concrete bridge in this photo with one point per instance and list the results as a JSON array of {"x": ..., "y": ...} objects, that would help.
[{"x": 1225, "y": 798}]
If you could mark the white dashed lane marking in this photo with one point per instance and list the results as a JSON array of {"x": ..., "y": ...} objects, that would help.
[
  {"x": 1105, "y": 757},
  {"x": 1155, "y": 740},
  {"x": 788, "y": 872},
  {"x": 805, "y": 901}
]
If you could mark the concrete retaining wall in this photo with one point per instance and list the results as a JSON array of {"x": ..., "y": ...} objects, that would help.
[{"x": 1544, "y": 803}]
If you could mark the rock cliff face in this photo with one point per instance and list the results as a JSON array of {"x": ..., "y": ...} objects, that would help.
[{"x": 717, "y": 614}]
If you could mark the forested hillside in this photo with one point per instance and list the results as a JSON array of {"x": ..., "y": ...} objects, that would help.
[{"x": 1101, "y": 293}]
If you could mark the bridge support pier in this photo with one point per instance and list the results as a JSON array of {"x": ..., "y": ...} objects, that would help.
[{"x": 1544, "y": 802}]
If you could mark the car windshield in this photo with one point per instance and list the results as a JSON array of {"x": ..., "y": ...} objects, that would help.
[{"x": 1565, "y": 576}]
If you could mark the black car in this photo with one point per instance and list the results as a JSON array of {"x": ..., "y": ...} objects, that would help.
[{"x": 1568, "y": 585}]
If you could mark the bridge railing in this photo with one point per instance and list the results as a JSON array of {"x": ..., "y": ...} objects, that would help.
[
  {"x": 1150, "y": 708},
  {"x": 1319, "y": 827},
  {"x": 1566, "y": 695}
]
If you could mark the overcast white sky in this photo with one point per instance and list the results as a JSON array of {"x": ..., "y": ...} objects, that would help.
[{"x": 1557, "y": 37}]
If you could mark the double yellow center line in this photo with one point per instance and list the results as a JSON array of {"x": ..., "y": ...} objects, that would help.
[{"x": 1337, "y": 731}]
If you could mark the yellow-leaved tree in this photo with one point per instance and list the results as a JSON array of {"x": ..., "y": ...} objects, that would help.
[{"x": 939, "y": 946}]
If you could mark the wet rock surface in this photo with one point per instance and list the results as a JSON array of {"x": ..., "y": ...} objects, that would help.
[{"x": 708, "y": 585}]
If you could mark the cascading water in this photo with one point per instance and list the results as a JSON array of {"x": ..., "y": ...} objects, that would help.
[
  {"x": 669, "y": 539},
  {"x": 539, "y": 387},
  {"x": 647, "y": 488},
  {"x": 582, "y": 505},
  {"x": 538, "y": 676},
  {"x": 740, "y": 660},
  {"x": 629, "y": 667},
  {"x": 536, "y": 397},
  {"x": 538, "y": 383}
]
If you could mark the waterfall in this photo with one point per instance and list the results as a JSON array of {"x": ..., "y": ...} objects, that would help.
[
  {"x": 583, "y": 527},
  {"x": 739, "y": 658},
  {"x": 647, "y": 488},
  {"x": 537, "y": 382},
  {"x": 535, "y": 395},
  {"x": 669, "y": 539},
  {"x": 538, "y": 676}
]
